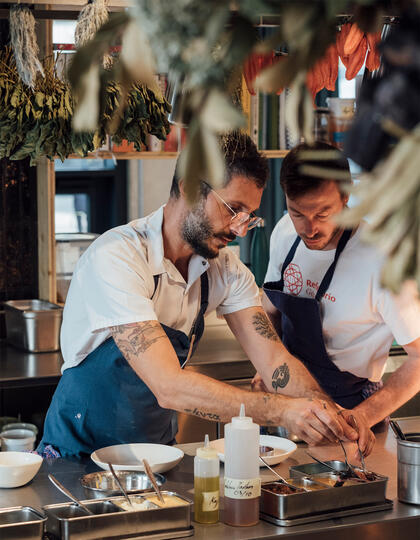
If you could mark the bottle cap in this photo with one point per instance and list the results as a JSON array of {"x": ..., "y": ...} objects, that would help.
[
  {"x": 206, "y": 452},
  {"x": 241, "y": 420}
]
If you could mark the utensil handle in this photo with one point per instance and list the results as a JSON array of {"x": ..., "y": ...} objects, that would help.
[
  {"x": 323, "y": 463},
  {"x": 397, "y": 430},
  {"x": 114, "y": 474},
  {"x": 67, "y": 493},
  {"x": 283, "y": 481},
  {"x": 152, "y": 478}
]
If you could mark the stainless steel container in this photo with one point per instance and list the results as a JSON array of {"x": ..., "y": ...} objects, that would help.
[
  {"x": 67, "y": 521},
  {"x": 102, "y": 482},
  {"x": 408, "y": 453},
  {"x": 33, "y": 325},
  {"x": 21, "y": 523},
  {"x": 311, "y": 505}
]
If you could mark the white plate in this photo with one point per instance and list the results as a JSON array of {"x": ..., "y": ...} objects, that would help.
[
  {"x": 283, "y": 448},
  {"x": 127, "y": 457}
]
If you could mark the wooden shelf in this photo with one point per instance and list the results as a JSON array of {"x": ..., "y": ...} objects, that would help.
[{"x": 159, "y": 155}]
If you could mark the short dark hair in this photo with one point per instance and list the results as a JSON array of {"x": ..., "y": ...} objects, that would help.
[
  {"x": 241, "y": 158},
  {"x": 295, "y": 184}
]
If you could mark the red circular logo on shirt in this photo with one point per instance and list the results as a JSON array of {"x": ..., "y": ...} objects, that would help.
[{"x": 293, "y": 279}]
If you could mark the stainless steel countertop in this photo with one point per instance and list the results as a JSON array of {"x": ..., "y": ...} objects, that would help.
[
  {"x": 19, "y": 368},
  {"x": 403, "y": 521}
]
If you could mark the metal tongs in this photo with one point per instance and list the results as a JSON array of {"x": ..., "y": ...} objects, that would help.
[{"x": 361, "y": 456}]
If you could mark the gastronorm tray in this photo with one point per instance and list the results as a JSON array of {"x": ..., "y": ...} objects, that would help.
[
  {"x": 312, "y": 504},
  {"x": 67, "y": 521},
  {"x": 21, "y": 523},
  {"x": 333, "y": 514}
]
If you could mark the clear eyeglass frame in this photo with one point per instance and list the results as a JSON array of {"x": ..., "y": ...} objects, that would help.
[{"x": 239, "y": 219}]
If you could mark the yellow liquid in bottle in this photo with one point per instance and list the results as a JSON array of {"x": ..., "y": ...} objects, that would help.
[{"x": 206, "y": 499}]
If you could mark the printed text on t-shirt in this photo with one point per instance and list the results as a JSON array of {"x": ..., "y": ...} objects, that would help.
[{"x": 313, "y": 286}]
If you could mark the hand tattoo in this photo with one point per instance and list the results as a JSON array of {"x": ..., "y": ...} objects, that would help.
[
  {"x": 136, "y": 338},
  {"x": 264, "y": 327},
  {"x": 281, "y": 377}
]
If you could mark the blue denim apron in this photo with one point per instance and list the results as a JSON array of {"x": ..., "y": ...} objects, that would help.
[
  {"x": 301, "y": 325},
  {"x": 102, "y": 401}
]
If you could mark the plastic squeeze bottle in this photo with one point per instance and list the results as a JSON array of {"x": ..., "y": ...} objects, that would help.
[
  {"x": 242, "y": 471},
  {"x": 206, "y": 484}
]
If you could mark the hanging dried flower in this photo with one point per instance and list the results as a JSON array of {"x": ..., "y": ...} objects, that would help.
[
  {"x": 24, "y": 44},
  {"x": 91, "y": 18}
]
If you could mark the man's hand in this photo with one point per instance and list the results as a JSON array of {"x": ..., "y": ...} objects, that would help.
[
  {"x": 366, "y": 437},
  {"x": 314, "y": 420}
]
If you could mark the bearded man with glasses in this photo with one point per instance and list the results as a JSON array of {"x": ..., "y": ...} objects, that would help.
[{"x": 135, "y": 313}]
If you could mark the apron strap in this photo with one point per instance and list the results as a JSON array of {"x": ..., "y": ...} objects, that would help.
[
  {"x": 204, "y": 299},
  {"x": 325, "y": 283},
  {"x": 288, "y": 260}
]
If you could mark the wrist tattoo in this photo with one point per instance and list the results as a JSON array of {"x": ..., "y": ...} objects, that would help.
[
  {"x": 203, "y": 414},
  {"x": 281, "y": 377},
  {"x": 264, "y": 327},
  {"x": 133, "y": 339}
]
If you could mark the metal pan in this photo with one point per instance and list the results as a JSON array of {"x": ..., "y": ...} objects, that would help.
[
  {"x": 103, "y": 483},
  {"x": 21, "y": 523},
  {"x": 67, "y": 522}
]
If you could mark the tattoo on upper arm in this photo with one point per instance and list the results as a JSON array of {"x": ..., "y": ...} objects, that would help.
[
  {"x": 203, "y": 414},
  {"x": 133, "y": 339},
  {"x": 264, "y": 327},
  {"x": 281, "y": 376}
]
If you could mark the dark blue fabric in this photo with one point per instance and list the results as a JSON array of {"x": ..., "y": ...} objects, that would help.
[
  {"x": 102, "y": 401},
  {"x": 301, "y": 326}
]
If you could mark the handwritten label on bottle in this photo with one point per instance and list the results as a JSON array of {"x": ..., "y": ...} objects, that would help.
[
  {"x": 249, "y": 488},
  {"x": 210, "y": 501}
]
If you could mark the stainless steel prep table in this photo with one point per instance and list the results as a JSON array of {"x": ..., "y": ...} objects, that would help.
[{"x": 403, "y": 521}]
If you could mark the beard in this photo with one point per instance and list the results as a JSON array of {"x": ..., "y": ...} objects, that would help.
[
  {"x": 322, "y": 240},
  {"x": 197, "y": 231}
]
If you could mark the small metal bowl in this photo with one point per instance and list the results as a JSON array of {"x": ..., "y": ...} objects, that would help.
[
  {"x": 266, "y": 451},
  {"x": 102, "y": 482}
]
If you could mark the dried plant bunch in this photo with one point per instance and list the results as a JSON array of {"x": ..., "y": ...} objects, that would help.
[
  {"x": 90, "y": 19},
  {"x": 38, "y": 122},
  {"x": 24, "y": 44}
]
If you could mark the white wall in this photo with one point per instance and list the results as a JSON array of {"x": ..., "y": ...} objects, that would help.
[{"x": 149, "y": 183}]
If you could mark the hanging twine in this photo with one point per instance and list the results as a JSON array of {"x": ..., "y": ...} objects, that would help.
[
  {"x": 24, "y": 44},
  {"x": 90, "y": 19}
]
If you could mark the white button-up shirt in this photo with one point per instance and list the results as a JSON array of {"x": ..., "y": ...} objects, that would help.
[{"x": 113, "y": 284}]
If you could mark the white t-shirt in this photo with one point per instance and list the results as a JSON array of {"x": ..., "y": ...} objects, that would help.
[
  {"x": 113, "y": 284},
  {"x": 359, "y": 317}
]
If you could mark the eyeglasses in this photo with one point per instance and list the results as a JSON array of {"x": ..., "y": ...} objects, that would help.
[{"x": 239, "y": 219}]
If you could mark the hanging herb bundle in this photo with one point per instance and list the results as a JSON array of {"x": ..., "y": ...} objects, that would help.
[
  {"x": 24, "y": 44},
  {"x": 145, "y": 113},
  {"x": 38, "y": 122}
]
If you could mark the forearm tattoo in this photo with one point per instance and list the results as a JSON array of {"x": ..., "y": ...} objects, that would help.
[
  {"x": 264, "y": 327},
  {"x": 136, "y": 338},
  {"x": 281, "y": 376},
  {"x": 203, "y": 414}
]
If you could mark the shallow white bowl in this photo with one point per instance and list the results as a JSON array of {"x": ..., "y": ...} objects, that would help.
[
  {"x": 127, "y": 457},
  {"x": 283, "y": 448},
  {"x": 18, "y": 468}
]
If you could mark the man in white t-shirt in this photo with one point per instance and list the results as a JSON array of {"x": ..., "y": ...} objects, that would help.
[
  {"x": 323, "y": 295},
  {"x": 135, "y": 310}
]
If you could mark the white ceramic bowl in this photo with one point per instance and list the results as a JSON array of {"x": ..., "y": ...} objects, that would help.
[
  {"x": 17, "y": 440},
  {"x": 127, "y": 457},
  {"x": 18, "y": 468},
  {"x": 283, "y": 448}
]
